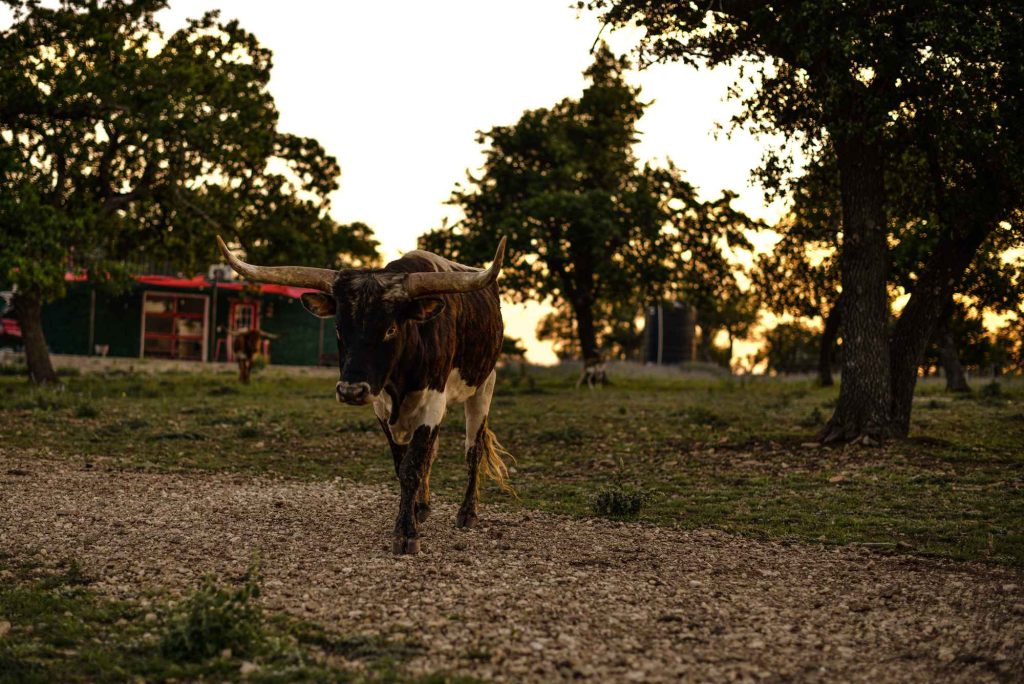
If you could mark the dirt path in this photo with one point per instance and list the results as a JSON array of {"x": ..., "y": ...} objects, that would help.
[{"x": 528, "y": 596}]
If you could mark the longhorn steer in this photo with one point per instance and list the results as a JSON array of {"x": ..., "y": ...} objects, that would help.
[{"x": 414, "y": 337}]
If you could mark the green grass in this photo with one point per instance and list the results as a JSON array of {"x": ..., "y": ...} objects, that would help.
[
  {"x": 58, "y": 630},
  {"x": 729, "y": 453}
]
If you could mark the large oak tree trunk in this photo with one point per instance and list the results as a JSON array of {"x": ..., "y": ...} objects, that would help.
[
  {"x": 585, "y": 328},
  {"x": 29, "y": 309},
  {"x": 864, "y": 394},
  {"x": 828, "y": 344},
  {"x": 920, "y": 317}
]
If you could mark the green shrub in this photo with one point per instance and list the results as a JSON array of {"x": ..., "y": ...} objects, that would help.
[
  {"x": 86, "y": 411},
  {"x": 620, "y": 500},
  {"x": 992, "y": 390},
  {"x": 701, "y": 415},
  {"x": 813, "y": 419},
  {"x": 249, "y": 432},
  {"x": 216, "y": 618}
]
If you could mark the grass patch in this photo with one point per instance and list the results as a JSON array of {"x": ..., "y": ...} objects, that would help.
[
  {"x": 59, "y": 630},
  {"x": 216, "y": 619},
  {"x": 701, "y": 415},
  {"x": 727, "y": 453}
]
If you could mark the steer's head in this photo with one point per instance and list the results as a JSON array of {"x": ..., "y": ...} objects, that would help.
[{"x": 375, "y": 312}]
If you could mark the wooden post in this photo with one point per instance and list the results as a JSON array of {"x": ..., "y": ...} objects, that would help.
[
  {"x": 213, "y": 317},
  {"x": 92, "y": 322}
]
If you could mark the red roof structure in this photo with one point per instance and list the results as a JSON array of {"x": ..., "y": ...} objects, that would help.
[{"x": 201, "y": 283}]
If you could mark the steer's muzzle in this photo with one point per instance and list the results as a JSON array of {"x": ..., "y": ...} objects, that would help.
[{"x": 355, "y": 393}]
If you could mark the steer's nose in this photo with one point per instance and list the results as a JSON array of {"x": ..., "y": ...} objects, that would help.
[{"x": 356, "y": 393}]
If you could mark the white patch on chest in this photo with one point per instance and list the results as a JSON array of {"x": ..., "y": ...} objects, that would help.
[{"x": 422, "y": 408}]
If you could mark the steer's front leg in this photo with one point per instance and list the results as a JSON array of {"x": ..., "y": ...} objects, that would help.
[{"x": 411, "y": 475}]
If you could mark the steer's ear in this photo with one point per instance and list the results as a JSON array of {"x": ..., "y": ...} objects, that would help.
[
  {"x": 318, "y": 304},
  {"x": 422, "y": 310}
]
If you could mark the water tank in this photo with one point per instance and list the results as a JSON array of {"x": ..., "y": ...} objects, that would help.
[{"x": 670, "y": 333}]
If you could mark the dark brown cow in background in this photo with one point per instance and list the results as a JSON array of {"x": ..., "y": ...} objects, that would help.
[
  {"x": 246, "y": 347},
  {"x": 414, "y": 337}
]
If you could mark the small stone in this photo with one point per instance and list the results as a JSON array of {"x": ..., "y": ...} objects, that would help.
[
  {"x": 150, "y": 617},
  {"x": 226, "y": 654},
  {"x": 5, "y": 627},
  {"x": 248, "y": 668}
]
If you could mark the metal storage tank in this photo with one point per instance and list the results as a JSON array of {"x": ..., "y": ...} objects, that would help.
[{"x": 670, "y": 333}]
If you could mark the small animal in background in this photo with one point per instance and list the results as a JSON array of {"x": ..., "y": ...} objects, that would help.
[
  {"x": 246, "y": 347},
  {"x": 102, "y": 350},
  {"x": 595, "y": 372}
]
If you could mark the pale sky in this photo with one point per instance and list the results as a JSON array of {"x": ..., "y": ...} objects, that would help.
[{"x": 397, "y": 90}]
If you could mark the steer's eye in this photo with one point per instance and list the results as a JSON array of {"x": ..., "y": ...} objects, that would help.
[{"x": 391, "y": 331}]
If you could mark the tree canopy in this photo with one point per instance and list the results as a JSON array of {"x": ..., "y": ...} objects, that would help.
[
  {"x": 587, "y": 225},
  {"x": 874, "y": 81},
  {"x": 120, "y": 145}
]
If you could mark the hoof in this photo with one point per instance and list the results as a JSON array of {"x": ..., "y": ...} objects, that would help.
[
  {"x": 405, "y": 545},
  {"x": 466, "y": 520},
  {"x": 422, "y": 512}
]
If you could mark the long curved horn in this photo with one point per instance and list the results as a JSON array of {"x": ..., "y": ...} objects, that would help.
[
  {"x": 451, "y": 282},
  {"x": 297, "y": 276}
]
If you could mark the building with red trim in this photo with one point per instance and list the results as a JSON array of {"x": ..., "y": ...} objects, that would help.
[{"x": 189, "y": 319}]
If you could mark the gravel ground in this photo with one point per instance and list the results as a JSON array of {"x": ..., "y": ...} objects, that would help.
[{"x": 528, "y": 596}]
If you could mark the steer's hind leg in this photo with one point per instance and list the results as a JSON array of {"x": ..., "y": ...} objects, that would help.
[{"x": 477, "y": 408}]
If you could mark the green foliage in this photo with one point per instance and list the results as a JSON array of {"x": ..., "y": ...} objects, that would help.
[
  {"x": 791, "y": 348},
  {"x": 586, "y": 226},
  {"x": 122, "y": 146},
  {"x": 620, "y": 500},
  {"x": 992, "y": 390},
  {"x": 920, "y": 106},
  {"x": 512, "y": 347},
  {"x": 978, "y": 348},
  {"x": 216, "y": 618},
  {"x": 800, "y": 275}
]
